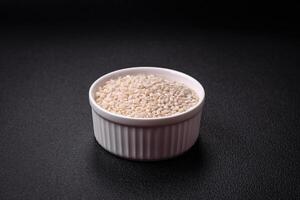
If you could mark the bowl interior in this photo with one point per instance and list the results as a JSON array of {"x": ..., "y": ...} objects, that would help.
[{"x": 162, "y": 72}]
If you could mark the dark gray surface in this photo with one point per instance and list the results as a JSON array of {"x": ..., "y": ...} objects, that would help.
[{"x": 249, "y": 140}]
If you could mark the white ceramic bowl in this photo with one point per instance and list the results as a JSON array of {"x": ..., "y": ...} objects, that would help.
[{"x": 147, "y": 138}]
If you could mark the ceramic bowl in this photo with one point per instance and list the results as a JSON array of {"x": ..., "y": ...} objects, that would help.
[{"x": 147, "y": 138}]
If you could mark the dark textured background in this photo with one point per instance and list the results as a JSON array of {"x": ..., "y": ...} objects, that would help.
[{"x": 249, "y": 140}]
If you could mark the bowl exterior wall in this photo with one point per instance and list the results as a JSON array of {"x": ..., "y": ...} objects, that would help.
[{"x": 146, "y": 143}]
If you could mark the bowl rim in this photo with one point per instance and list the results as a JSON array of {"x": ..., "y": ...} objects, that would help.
[{"x": 159, "y": 121}]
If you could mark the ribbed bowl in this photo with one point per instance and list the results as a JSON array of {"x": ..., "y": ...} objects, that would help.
[{"x": 147, "y": 139}]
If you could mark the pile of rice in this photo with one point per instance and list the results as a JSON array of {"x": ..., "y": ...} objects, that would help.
[{"x": 145, "y": 96}]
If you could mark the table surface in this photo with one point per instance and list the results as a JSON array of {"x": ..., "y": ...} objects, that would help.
[{"x": 249, "y": 138}]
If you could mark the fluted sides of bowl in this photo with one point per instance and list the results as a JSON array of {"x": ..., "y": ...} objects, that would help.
[{"x": 146, "y": 143}]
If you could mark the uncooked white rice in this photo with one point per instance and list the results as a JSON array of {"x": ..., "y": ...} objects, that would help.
[{"x": 145, "y": 96}]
